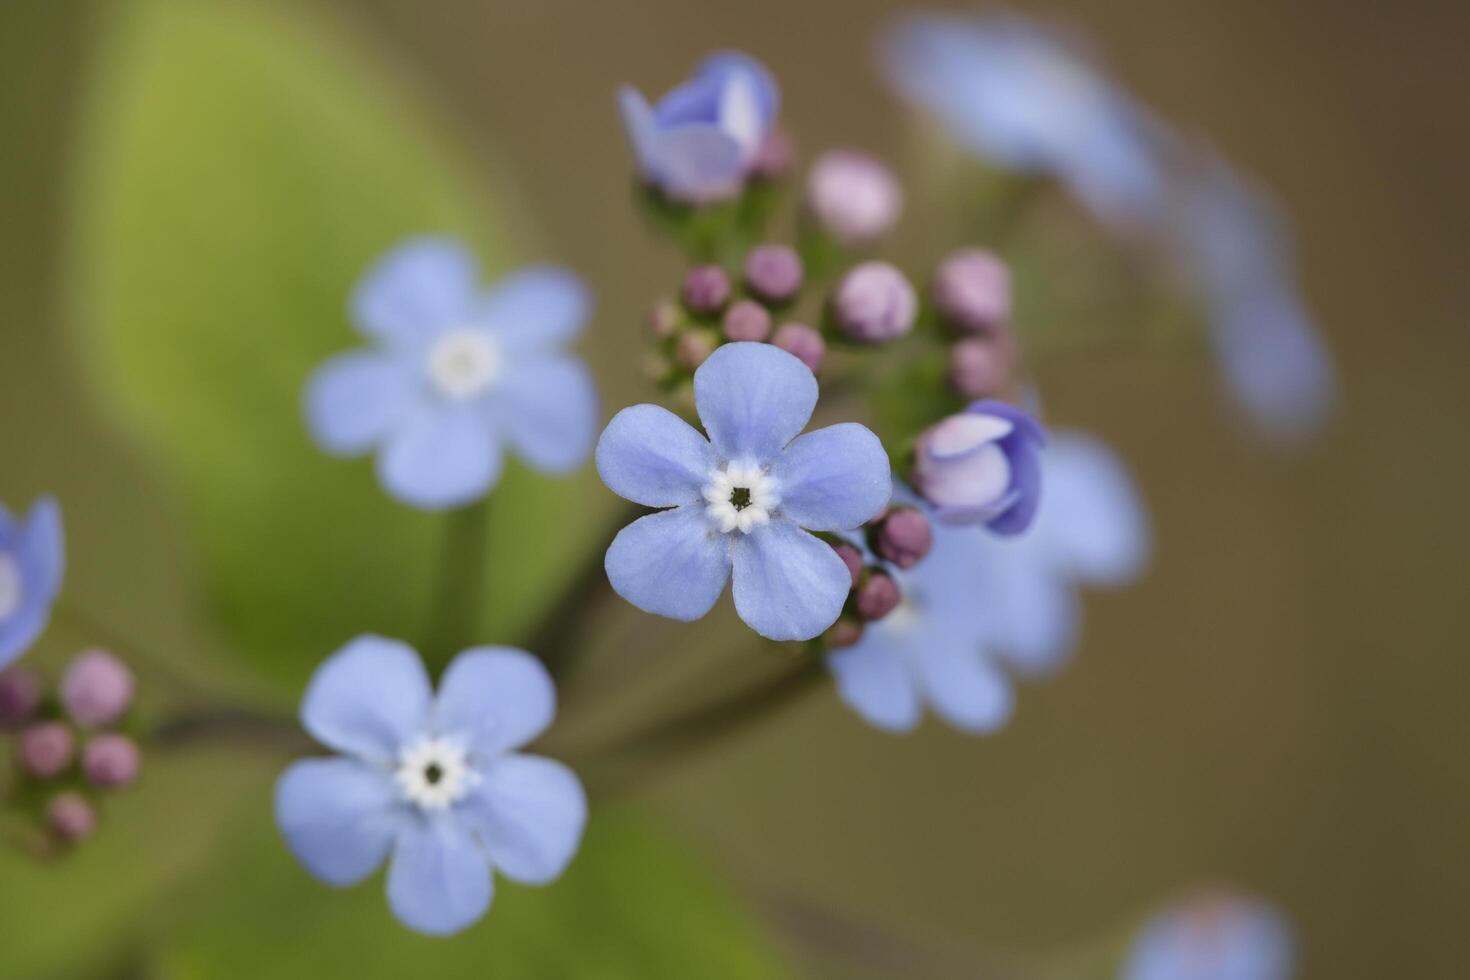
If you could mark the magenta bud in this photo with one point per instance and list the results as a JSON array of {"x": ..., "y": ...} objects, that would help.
[
  {"x": 71, "y": 818},
  {"x": 111, "y": 761},
  {"x": 747, "y": 320},
  {"x": 875, "y": 304},
  {"x": 853, "y": 197},
  {"x": 693, "y": 348},
  {"x": 804, "y": 343},
  {"x": 774, "y": 273},
  {"x": 774, "y": 158},
  {"x": 706, "y": 290},
  {"x": 663, "y": 319},
  {"x": 47, "y": 749},
  {"x": 20, "y": 696},
  {"x": 980, "y": 367},
  {"x": 903, "y": 536},
  {"x": 96, "y": 689},
  {"x": 852, "y": 558},
  {"x": 972, "y": 291},
  {"x": 877, "y": 595},
  {"x": 843, "y": 633}
]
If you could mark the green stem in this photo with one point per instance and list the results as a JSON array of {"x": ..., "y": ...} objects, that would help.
[{"x": 459, "y": 594}]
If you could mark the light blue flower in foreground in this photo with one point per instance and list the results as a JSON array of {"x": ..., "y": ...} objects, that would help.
[
  {"x": 1013, "y": 93},
  {"x": 457, "y": 374},
  {"x": 32, "y": 561},
  {"x": 434, "y": 785},
  {"x": 1213, "y": 937},
  {"x": 738, "y": 501},
  {"x": 701, "y": 140}
]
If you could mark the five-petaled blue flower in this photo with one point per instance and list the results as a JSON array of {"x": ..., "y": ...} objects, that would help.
[
  {"x": 1214, "y": 936},
  {"x": 32, "y": 561},
  {"x": 700, "y": 141},
  {"x": 741, "y": 498},
  {"x": 458, "y": 372},
  {"x": 431, "y": 783}
]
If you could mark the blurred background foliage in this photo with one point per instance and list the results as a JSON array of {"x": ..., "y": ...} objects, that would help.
[{"x": 192, "y": 187}]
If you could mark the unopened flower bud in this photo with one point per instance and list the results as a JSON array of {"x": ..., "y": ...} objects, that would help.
[
  {"x": 71, "y": 818},
  {"x": 979, "y": 367},
  {"x": 902, "y": 536},
  {"x": 20, "y": 696},
  {"x": 663, "y": 319},
  {"x": 774, "y": 158},
  {"x": 111, "y": 761},
  {"x": 693, "y": 348},
  {"x": 852, "y": 558},
  {"x": 853, "y": 197},
  {"x": 972, "y": 291},
  {"x": 982, "y": 466},
  {"x": 843, "y": 633},
  {"x": 774, "y": 273},
  {"x": 877, "y": 595},
  {"x": 96, "y": 689},
  {"x": 47, "y": 749},
  {"x": 747, "y": 320},
  {"x": 802, "y": 342},
  {"x": 874, "y": 303},
  {"x": 706, "y": 290}
]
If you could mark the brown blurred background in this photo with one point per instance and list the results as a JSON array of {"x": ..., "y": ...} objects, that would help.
[{"x": 1280, "y": 705}]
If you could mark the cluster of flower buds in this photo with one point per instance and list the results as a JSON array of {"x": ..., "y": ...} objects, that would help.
[
  {"x": 971, "y": 293},
  {"x": 898, "y": 539},
  {"x": 69, "y": 748}
]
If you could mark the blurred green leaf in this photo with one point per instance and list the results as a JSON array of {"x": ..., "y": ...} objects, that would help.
[{"x": 240, "y": 166}]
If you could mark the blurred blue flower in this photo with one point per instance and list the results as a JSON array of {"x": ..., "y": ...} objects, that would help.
[
  {"x": 741, "y": 498},
  {"x": 1014, "y": 93},
  {"x": 701, "y": 140},
  {"x": 32, "y": 561},
  {"x": 1213, "y": 937},
  {"x": 982, "y": 466},
  {"x": 457, "y": 373},
  {"x": 430, "y": 783}
]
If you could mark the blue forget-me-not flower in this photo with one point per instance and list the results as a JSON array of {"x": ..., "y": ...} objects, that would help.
[
  {"x": 982, "y": 466},
  {"x": 433, "y": 784},
  {"x": 32, "y": 561},
  {"x": 457, "y": 374},
  {"x": 738, "y": 502},
  {"x": 701, "y": 140},
  {"x": 1213, "y": 937}
]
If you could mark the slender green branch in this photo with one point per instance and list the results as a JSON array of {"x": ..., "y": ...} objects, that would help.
[{"x": 459, "y": 594}]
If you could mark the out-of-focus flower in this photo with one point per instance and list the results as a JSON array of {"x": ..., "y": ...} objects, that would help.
[
  {"x": 96, "y": 689},
  {"x": 874, "y": 303},
  {"x": 706, "y": 290},
  {"x": 1217, "y": 936},
  {"x": 972, "y": 291},
  {"x": 71, "y": 818},
  {"x": 705, "y": 137},
  {"x": 902, "y": 536},
  {"x": 111, "y": 761},
  {"x": 458, "y": 373},
  {"x": 20, "y": 696},
  {"x": 747, "y": 320},
  {"x": 982, "y": 466},
  {"x": 774, "y": 273},
  {"x": 741, "y": 499},
  {"x": 803, "y": 343},
  {"x": 980, "y": 367},
  {"x": 431, "y": 783},
  {"x": 775, "y": 157},
  {"x": 1012, "y": 92},
  {"x": 32, "y": 562},
  {"x": 853, "y": 197},
  {"x": 47, "y": 749}
]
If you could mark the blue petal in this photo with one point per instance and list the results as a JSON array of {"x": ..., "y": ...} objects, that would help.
[
  {"x": 723, "y": 64},
  {"x": 339, "y": 817},
  {"x": 368, "y": 699},
  {"x": 502, "y": 697},
  {"x": 873, "y": 679},
  {"x": 650, "y": 456},
  {"x": 536, "y": 309},
  {"x": 640, "y": 125},
  {"x": 1026, "y": 489},
  {"x": 422, "y": 286},
  {"x": 963, "y": 686},
  {"x": 1092, "y": 519},
  {"x": 21, "y": 630},
  {"x": 529, "y": 813},
  {"x": 42, "y": 549},
  {"x": 1032, "y": 612},
  {"x": 1228, "y": 938},
  {"x": 697, "y": 163},
  {"x": 753, "y": 399},
  {"x": 549, "y": 410},
  {"x": 789, "y": 585},
  {"x": 439, "y": 882},
  {"x": 354, "y": 400},
  {"x": 834, "y": 479},
  {"x": 442, "y": 456},
  {"x": 673, "y": 563}
]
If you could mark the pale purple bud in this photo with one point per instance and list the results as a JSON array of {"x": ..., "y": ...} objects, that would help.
[
  {"x": 843, "y": 633},
  {"x": 774, "y": 273},
  {"x": 747, "y": 320},
  {"x": 982, "y": 466},
  {"x": 111, "y": 761},
  {"x": 706, "y": 290},
  {"x": 877, "y": 595},
  {"x": 663, "y": 319},
  {"x": 774, "y": 158},
  {"x": 852, "y": 558},
  {"x": 874, "y": 303},
  {"x": 903, "y": 536},
  {"x": 20, "y": 696},
  {"x": 71, "y": 818},
  {"x": 802, "y": 342},
  {"x": 972, "y": 291},
  {"x": 693, "y": 348},
  {"x": 47, "y": 749},
  {"x": 96, "y": 689},
  {"x": 853, "y": 196},
  {"x": 980, "y": 367}
]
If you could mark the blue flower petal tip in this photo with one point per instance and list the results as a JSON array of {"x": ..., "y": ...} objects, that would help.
[{"x": 32, "y": 564}]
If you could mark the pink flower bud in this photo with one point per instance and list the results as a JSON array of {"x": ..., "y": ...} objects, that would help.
[
  {"x": 747, "y": 320},
  {"x": 20, "y": 696},
  {"x": 843, "y": 633},
  {"x": 903, "y": 536},
  {"x": 972, "y": 291},
  {"x": 853, "y": 197},
  {"x": 663, "y": 320},
  {"x": 693, "y": 348},
  {"x": 875, "y": 304},
  {"x": 111, "y": 761},
  {"x": 774, "y": 273},
  {"x": 774, "y": 158},
  {"x": 71, "y": 818},
  {"x": 96, "y": 689},
  {"x": 47, "y": 749},
  {"x": 852, "y": 558},
  {"x": 804, "y": 343},
  {"x": 706, "y": 290},
  {"x": 980, "y": 367},
  {"x": 877, "y": 595}
]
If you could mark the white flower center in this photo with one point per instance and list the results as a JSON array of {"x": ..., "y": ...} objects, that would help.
[
  {"x": 464, "y": 364},
  {"x": 435, "y": 773},
  {"x": 740, "y": 496},
  {"x": 10, "y": 587}
]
